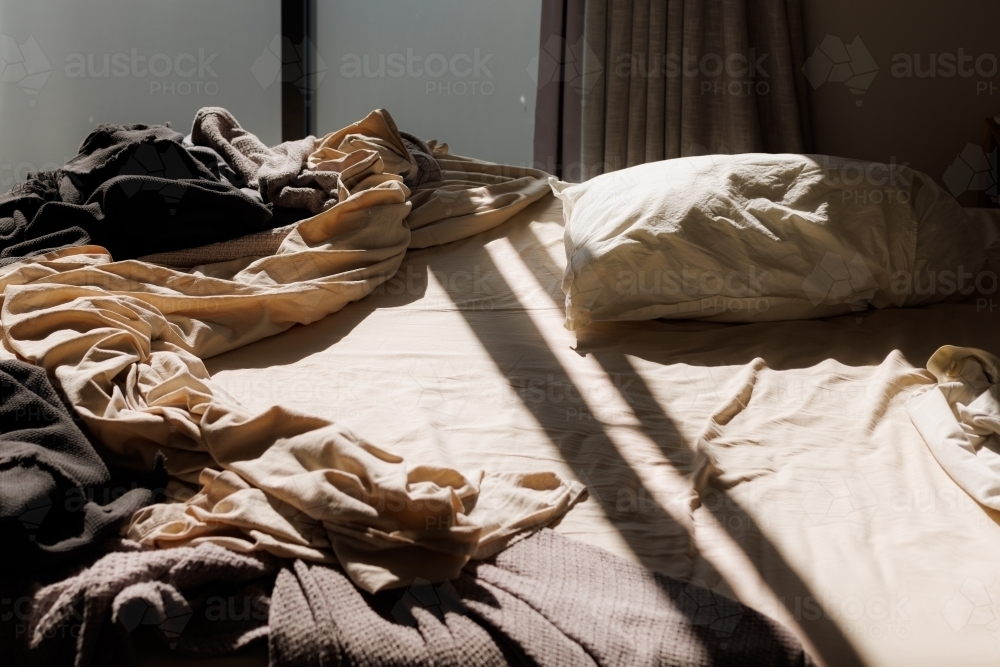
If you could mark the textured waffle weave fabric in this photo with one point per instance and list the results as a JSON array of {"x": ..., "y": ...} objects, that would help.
[{"x": 545, "y": 601}]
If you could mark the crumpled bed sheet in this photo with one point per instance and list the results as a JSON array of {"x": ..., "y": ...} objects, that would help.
[
  {"x": 825, "y": 508},
  {"x": 125, "y": 342}
]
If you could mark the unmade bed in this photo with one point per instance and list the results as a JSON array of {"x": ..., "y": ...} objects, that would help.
[
  {"x": 774, "y": 462},
  {"x": 445, "y": 406}
]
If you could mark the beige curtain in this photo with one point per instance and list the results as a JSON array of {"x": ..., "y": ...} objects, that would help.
[{"x": 673, "y": 78}]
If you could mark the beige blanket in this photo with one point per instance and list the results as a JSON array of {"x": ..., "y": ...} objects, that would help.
[{"x": 125, "y": 342}]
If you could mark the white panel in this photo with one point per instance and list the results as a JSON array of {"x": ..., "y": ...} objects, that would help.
[
  {"x": 485, "y": 111},
  {"x": 165, "y": 60}
]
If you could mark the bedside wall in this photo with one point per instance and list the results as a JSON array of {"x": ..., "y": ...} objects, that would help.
[{"x": 926, "y": 121}]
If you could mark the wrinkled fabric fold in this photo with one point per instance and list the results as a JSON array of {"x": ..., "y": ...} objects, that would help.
[
  {"x": 309, "y": 173},
  {"x": 959, "y": 419},
  {"x": 473, "y": 196}
]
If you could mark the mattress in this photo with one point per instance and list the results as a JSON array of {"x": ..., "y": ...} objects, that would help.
[{"x": 773, "y": 462}]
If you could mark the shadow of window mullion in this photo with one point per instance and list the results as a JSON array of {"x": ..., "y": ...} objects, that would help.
[{"x": 829, "y": 640}]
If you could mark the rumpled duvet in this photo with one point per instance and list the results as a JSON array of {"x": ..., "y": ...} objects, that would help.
[
  {"x": 125, "y": 341},
  {"x": 133, "y": 189},
  {"x": 546, "y": 601}
]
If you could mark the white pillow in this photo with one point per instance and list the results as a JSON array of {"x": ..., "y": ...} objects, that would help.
[{"x": 741, "y": 238}]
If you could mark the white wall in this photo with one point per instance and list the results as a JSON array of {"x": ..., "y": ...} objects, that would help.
[
  {"x": 44, "y": 119},
  {"x": 486, "y": 113}
]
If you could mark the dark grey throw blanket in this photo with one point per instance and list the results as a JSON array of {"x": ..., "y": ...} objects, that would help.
[
  {"x": 57, "y": 498},
  {"x": 133, "y": 189},
  {"x": 545, "y": 601},
  {"x": 281, "y": 173}
]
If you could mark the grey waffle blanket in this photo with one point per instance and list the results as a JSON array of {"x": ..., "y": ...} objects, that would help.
[{"x": 547, "y": 600}]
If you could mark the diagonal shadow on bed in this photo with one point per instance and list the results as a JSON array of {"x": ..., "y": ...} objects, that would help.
[
  {"x": 850, "y": 340},
  {"x": 826, "y": 636},
  {"x": 300, "y": 341},
  {"x": 593, "y": 440}
]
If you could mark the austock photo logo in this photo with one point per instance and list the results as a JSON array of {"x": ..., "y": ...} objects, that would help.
[
  {"x": 972, "y": 171},
  {"x": 456, "y": 74},
  {"x": 434, "y": 387},
  {"x": 182, "y": 74},
  {"x": 559, "y": 61},
  {"x": 879, "y": 617},
  {"x": 851, "y": 64},
  {"x": 74, "y": 502},
  {"x": 165, "y": 163},
  {"x": 17, "y": 172},
  {"x": 980, "y": 67},
  {"x": 835, "y": 280},
  {"x": 298, "y": 64},
  {"x": 436, "y": 600},
  {"x": 704, "y": 607},
  {"x": 819, "y": 497},
  {"x": 581, "y": 68},
  {"x": 167, "y": 611},
  {"x": 974, "y": 608},
  {"x": 161, "y": 168},
  {"x": 834, "y": 497},
  {"x": 851, "y": 499},
  {"x": 24, "y": 65},
  {"x": 34, "y": 512}
]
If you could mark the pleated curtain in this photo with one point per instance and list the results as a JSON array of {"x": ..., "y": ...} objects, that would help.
[{"x": 646, "y": 80}]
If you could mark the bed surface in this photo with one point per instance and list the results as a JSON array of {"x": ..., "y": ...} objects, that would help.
[{"x": 824, "y": 508}]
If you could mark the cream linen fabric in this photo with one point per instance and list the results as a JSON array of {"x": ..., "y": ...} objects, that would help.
[
  {"x": 825, "y": 509},
  {"x": 472, "y": 196},
  {"x": 959, "y": 419},
  {"x": 125, "y": 342},
  {"x": 758, "y": 237}
]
